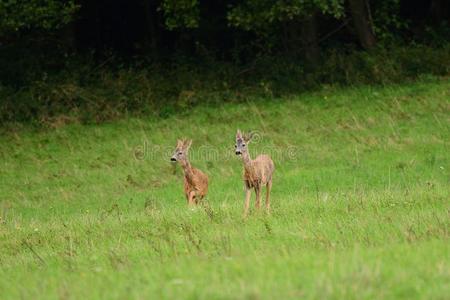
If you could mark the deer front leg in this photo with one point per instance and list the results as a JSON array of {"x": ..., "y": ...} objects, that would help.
[
  {"x": 258, "y": 197},
  {"x": 269, "y": 187},
  {"x": 248, "y": 193}
]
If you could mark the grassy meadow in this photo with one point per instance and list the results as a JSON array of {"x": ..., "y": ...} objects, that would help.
[{"x": 360, "y": 202}]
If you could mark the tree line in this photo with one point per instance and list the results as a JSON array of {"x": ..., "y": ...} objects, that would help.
[{"x": 237, "y": 30}]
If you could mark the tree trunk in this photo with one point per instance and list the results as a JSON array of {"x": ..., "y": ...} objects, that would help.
[
  {"x": 152, "y": 26},
  {"x": 67, "y": 36},
  {"x": 301, "y": 39},
  {"x": 363, "y": 23},
  {"x": 439, "y": 10},
  {"x": 310, "y": 40}
]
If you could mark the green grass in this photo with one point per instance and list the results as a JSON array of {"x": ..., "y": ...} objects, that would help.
[{"x": 360, "y": 203}]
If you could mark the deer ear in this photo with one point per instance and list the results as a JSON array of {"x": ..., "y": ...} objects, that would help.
[
  {"x": 239, "y": 134},
  {"x": 252, "y": 135},
  {"x": 187, "y": 144},
  {"x": 248, "y": 137},
  {"x": 179, "y": 143}
]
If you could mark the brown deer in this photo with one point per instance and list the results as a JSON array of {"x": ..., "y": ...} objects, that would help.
[
  {"x": 195, "y": 181},
  {"x": 257, "y": 172}
]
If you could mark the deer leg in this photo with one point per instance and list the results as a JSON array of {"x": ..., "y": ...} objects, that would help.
[
  {"x": 269, "y": 187},
  {"x": 248, "y": 193},
  {"x": 199, "y": 199},
  {"x": 191, "y": 200},
  {"x": 258, "y": 197}
]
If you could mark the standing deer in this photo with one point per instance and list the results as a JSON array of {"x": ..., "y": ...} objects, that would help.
[
  {"x": 257, "y": 172},
  {"x": 195, "y": 181}
]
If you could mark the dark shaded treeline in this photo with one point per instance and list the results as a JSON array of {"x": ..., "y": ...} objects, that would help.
[
  {"x": 138, "y": 27},
  {"x": 231, "y": 30}
]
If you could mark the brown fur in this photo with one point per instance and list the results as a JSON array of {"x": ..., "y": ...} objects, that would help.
[
  {"x": 195, "y": 181},
  {"x": 257, "y": 172}
]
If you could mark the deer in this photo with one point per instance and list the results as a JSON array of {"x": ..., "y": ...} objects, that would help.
[
  {"x": 257, "y": 172},
  {"x": 195, "y": 181}
]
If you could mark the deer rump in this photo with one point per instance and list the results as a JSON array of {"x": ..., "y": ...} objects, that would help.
[{"x": 198, "y": 182}]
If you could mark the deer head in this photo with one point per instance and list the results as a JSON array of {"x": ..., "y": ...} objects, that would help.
[
  {"x": 241, "y": 142},
  {"x": 181, "y": 150}
]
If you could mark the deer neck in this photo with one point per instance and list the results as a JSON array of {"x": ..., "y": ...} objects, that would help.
[
  {"x": 187, "y": 168},
  {"x": 247, "y": 161}
]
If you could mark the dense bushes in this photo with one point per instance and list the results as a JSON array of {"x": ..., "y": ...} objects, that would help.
[{"x": 96, "y": 92}]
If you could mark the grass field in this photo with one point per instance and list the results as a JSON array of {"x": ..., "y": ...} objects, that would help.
[{"x": 360, "y": 202}]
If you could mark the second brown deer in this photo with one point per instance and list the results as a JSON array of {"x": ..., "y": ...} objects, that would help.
[
  {"x": 195, "y": 181},
  {"x": 257, "y": 172}
]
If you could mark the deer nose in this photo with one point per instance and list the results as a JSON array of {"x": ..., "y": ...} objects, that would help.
[
  {"x": 173, "y": 159},
  {"x": 238, "y": 152}
]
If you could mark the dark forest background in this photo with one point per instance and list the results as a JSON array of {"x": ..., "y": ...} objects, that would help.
[{"x": 91, "y": 61}]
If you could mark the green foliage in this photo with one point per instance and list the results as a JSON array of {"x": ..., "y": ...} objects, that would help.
[
  {"x": 250, "y": 15},
  {"x": 181, "y": 13},
  {"x": 387, "y": 21},
  {"x": 16, "y": 15},
  {"x": 256, "y": 14},
  {"x": 360, "y": 208}
]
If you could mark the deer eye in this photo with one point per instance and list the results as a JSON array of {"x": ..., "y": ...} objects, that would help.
[
  {"x": 179, "y": 153},
  {"x": 243, "y": 145},
  {"x": 235, "y": 146}
]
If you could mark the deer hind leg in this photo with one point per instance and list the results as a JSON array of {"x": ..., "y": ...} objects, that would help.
[
  {"x": 191, "y": 198},
  {"x": 248, "y": 193},
  {"x": 199, "y": 199},
  {"x": 258, "y": 196},
  {"x": 269, "y": 187}
]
